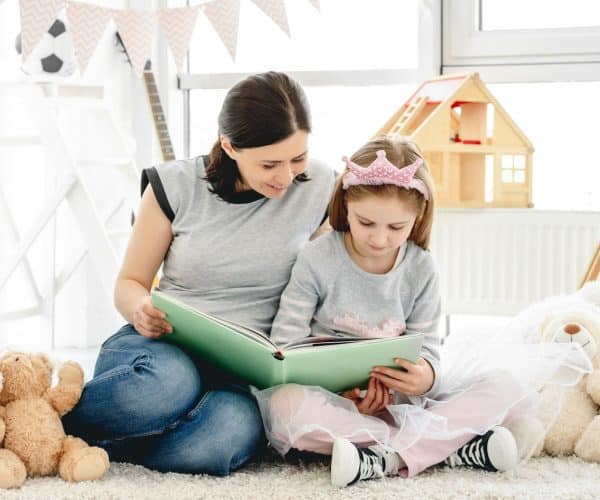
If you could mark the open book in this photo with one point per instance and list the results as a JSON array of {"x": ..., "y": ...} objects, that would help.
[{"x": 335, "y": 363}]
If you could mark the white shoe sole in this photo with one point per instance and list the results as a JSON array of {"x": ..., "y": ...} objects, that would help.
[
  {"x": 345, "y": 463},
  {"x": 502, "y": 449}
]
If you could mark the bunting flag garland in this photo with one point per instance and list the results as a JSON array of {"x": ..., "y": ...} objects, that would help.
[
  {"x": 275, "y": 9},
  {"x": 36, "y": 17},
  {"x": 178, "y": 25},
  {"x": 86, "y": 23},
  {"x": 224, "y": 15},
  {"x": 137, "y": 30}
]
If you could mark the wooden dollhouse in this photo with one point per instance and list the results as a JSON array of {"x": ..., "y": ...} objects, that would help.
[{"x": 477, "y": 155}]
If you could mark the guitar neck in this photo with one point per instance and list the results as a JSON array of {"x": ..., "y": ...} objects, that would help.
[{"x": 158, "y": 116}]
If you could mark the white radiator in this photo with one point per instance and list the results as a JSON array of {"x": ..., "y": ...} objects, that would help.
[{"x": 498, "y": 261}]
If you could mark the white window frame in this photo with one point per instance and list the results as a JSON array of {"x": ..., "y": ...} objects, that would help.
[
  {"x": 430, "y": 22},
  {"x": 524, "y": 55}
]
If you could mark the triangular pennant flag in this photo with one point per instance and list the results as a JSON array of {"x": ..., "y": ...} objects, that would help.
[
  {"x": 275, "y": 9},
  {"x": 178, "y": 25},
  {"x": 224, "y": 15},
  {"x": 87, "y": 23},
  {"x": 36, "y": 17},
  {"x": 316, "y": 4},
  {"x": 136, "y": 28}
]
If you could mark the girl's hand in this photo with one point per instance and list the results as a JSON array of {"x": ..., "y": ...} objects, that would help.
[
  {"x": 150, "y": 321},
  {"x": 375, "y": 400},
  {"x": 413, "y": 380}
]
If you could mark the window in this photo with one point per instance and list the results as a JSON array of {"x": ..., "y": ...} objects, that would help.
[
  {"x": 538, "y": 14},
  {"x": 356, "y": 63},
  {"x": 344, "y": 117},
  {"x": 350, "y": 103},
  {"x": 559, "y": 119},
  {"x": 541, "y": 60},
  {"x": 343, "y": 36},
  {"x": 535, "y": 40}
]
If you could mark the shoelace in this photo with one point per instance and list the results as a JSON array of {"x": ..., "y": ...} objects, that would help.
[
  {"x": 471, "y": 454},
  {"x": 370, "y": 464}
]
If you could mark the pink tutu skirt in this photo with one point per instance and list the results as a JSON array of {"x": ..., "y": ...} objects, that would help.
[{"x": 508, "y": 379}]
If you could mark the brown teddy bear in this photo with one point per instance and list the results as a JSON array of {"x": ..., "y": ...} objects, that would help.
[{"x": 35, "y": 443}]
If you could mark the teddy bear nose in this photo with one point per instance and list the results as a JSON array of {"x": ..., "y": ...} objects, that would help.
[
  {"x": 17, "y": 358},
  {"x": 571, "y": 329}
]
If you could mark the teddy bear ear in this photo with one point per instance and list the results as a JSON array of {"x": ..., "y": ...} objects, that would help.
[
  {"x": 42, "y": 361},
  {"x": 43, "y": 367}
]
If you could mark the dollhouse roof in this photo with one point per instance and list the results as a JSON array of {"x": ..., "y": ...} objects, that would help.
[
  {"x": 437, "y": 90},
  {"x": 452, "y": 90}
]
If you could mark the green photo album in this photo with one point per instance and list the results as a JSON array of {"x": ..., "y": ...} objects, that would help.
[{"x": 335, "y": 363}]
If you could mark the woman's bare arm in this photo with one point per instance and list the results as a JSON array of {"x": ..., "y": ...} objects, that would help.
[{"x": 148, "y": 245}]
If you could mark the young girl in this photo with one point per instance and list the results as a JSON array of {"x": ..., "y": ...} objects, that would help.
[{"x": 374, "y": 277}]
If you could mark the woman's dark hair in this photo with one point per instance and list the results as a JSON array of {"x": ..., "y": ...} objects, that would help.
[{"x": 258, "y": 111}]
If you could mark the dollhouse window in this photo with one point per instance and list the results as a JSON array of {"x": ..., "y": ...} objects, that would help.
[{"x": 513, "y": 169}]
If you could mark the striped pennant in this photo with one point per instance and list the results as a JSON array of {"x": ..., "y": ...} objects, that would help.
[
  {"x": 275, "y": 9},
  {"x": 224, "y": 15},
  {"x": 316, "y": 4},
  {"x": 87, "y": 24},
  {"x": 178, "y": 25},
  {"x": 136, "y": 28}
]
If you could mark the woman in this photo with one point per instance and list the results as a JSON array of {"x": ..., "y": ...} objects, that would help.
[{"x": 226, "y": 230}]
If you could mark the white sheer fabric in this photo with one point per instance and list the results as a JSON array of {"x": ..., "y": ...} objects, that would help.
[{"x": 510, "y": 379}]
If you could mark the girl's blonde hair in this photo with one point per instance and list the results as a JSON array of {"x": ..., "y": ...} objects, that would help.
[{"x": 401, "y": 152}]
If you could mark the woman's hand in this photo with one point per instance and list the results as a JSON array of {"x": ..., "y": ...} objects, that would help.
[
  {"x": 412, "y": 379},
  {"x": 375, "y": 400},
  {"x": 150, "y": 321}
]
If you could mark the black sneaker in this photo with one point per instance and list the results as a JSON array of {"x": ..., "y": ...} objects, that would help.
[
  {"x": 350, "y": 464},
  {"x": 495, "y": 451}
]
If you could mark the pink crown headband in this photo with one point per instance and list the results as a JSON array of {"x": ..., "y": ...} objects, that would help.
[{"x": 381, "y": 171}]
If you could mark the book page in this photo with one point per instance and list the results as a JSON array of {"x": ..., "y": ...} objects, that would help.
[
  {"x": 244, "y": 330},
  {"x": 331, "y": 341},
  {"x": 321, "y": 341}
]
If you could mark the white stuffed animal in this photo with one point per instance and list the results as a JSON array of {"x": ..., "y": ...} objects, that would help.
[{"x": 577, "y": 427}]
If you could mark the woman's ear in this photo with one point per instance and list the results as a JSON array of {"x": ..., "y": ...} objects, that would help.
[{"x": 227, "y": 147}]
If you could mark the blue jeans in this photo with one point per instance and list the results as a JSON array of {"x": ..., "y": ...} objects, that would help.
[{"x": 152, "y": 404}]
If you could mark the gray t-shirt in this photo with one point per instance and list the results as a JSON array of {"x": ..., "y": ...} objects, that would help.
[
  {"x": 330, "y": 295},
  {"x": 233, "y": 259}
]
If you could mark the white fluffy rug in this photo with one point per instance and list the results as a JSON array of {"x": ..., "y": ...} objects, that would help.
[
  {"x": 308, "y": 478},
  {"x": 542, "y": 478}
]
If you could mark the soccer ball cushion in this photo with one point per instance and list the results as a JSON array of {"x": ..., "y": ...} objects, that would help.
[{"x": 53, "y": 54}]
